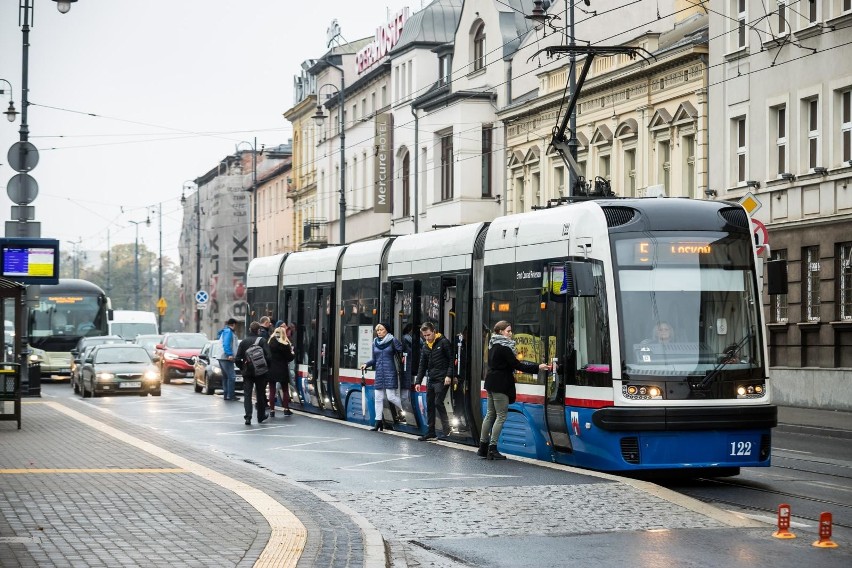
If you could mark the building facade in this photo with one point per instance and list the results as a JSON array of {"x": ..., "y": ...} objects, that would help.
[
  {"x": 641, "y": 123},
  {"x": 275, "y": 208},
  {"x": 308, "y": 229},
  {"x": 781, "y": 130},
  {"x": 355, "y": 142}
]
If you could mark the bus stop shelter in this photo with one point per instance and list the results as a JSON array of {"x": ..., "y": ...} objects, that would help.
[{"x": 13, "y": 309}]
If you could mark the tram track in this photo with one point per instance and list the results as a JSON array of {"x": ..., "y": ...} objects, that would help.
[{"x": 835, "y": 505}]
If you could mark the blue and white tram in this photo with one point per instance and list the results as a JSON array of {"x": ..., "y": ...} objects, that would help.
[{"x": 584, "y": 285}]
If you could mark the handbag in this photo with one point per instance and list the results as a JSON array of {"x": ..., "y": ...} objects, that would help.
[{"x": 397, "y": 362}]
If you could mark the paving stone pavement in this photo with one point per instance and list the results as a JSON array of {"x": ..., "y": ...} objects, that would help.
[{"x": 89, "y": 500}]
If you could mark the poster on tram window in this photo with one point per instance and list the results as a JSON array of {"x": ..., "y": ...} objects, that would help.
[{"x": 365, "y": 343}]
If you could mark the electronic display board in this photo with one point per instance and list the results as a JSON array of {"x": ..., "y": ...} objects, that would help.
[{"x": 30, "y": 261}]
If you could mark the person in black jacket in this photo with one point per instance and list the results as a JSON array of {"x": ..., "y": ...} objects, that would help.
[
  {"x": 500, "y": 384},
  {"x": 282, "y": 353},
  {"x": 436, "y": 363},
  {"x": 250, "y": 378}
]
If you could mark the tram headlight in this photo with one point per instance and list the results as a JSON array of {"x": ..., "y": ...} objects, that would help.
[
  {"x": 750, "y": 391},
  {"x": 642, "y": 392}
]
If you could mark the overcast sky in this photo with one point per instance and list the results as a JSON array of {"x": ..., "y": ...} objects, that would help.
[{"x": 174, "y": 85}]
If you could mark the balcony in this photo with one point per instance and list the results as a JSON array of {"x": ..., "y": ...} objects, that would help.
[{"x": 314, "y": 234}]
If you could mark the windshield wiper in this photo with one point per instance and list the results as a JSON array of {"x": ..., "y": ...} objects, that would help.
[{"x": 730, "y": 352}]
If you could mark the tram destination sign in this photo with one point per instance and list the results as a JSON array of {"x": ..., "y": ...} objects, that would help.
[{"x": 30, "y": 261}]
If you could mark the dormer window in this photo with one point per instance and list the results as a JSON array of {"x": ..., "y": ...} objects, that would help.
[
  {"x": 479, "y": 46},
  {"x": 445, "y": 63}
]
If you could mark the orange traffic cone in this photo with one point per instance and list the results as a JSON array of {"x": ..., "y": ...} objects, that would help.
[
  {"x": 825, "y": 532},
  {"x": 783, "y": 522}
]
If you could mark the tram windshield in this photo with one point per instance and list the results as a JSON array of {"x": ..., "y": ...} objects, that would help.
[{"x": 688, "y": 304}]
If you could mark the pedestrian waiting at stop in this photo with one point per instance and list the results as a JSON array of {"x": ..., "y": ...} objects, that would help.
[
  {"x": 229, "y": 344},
  {"x": 255, "y": 369},
  {"x": 436, "y": 367},
  {"x": 500, "y": 385},
  {"x": 386, "y": 348},
  {"x": 281, "y": 351},
  {"x": 265, "y": 327}
]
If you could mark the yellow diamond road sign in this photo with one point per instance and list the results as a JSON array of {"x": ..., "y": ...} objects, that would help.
[
  {"x": 161, "y": 303},
  {"x": 750, "y": 202}
]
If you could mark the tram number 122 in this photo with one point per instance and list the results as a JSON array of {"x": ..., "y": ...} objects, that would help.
[{"x": 740, "y": 448}]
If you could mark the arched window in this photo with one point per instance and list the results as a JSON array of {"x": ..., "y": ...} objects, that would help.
[
  {"x": 479, "y": 46},
  {"x": 406, "y": 186}
]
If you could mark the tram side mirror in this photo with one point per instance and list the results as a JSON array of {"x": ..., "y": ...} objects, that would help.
[
  {"x": 776, "y": 277},
  {"x": 579, "y": 279}
]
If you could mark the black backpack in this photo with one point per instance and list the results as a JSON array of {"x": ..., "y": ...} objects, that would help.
[{"x": 256, "y": 358}]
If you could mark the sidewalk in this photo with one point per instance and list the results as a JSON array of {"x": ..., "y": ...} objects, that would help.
[
  {"x": 831, "y": 423},
  {"x": 79, "y": 487}
]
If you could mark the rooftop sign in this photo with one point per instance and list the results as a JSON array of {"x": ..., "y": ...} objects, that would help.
[{"x": 387, "y": 36}]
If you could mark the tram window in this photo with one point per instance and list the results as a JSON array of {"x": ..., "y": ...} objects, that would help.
[{"x": 527, "y": 327}]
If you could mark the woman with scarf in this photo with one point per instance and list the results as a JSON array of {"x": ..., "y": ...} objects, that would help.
[
  {"x": 500, "y": 384},
  {"x": 385, "y": 348}
]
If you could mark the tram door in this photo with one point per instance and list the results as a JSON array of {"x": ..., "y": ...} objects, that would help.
[
  {"x": 405, "y": 298},
  {"x": 323, "y": 367},
  {"x": 449, "y": 326},
  {"x": 557, "y": 347}
]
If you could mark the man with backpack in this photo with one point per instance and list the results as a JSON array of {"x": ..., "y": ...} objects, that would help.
[{"x": 253, "y": 359}]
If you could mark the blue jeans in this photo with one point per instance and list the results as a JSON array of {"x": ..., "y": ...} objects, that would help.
[
  {"x": 498, "y": 409},
  {"x": 229, "y": 380}
]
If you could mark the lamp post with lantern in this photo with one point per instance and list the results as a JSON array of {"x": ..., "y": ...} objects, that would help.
[{"x": 319, "y": 118}]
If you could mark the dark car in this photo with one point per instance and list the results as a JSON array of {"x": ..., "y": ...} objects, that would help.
[
  {"x": 149, "y": 342},
  {"x": 208, "y": 372},
  {"x": 78, "y": 350},
  {"x": 174, "y": 355},
  {"x": 119, "y": 368}
]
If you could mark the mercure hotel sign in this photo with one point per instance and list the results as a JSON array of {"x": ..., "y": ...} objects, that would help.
[{"x": 383, "y": 172}]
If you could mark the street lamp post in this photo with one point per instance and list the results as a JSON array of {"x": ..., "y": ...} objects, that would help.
[
  {"x": 319, "y": 118},
  {"x": 27, "y": 155},
  {"x": 253, "y": 194},
  {"x": 160, "y": 267},
  {"x": 136, "y": 262},
  {"x": 188, "y": 185}
]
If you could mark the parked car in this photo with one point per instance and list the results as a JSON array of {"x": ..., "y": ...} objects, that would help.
[
  {"x": 118, "y": 368},
  {"x": 149, "y": 342},
  {"x": 174, "y": 355},
  {"x": 208, "y": 372},
  {"x": 77, "y": 352}
]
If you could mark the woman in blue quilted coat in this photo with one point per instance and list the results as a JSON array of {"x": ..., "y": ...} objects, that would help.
[{"x": 385, "y": 348}]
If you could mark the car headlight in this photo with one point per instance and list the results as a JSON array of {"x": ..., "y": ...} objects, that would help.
[
  {"x": 151, "y": 375},
  {"x": 170, "y": 356},
  {"x": 216, "y": 370},
  {"x": 34, "y": 358},
  {"x": 106, "y": 376}
]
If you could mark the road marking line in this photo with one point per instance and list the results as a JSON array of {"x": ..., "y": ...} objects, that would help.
[{"x": 288, "y": 535}]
